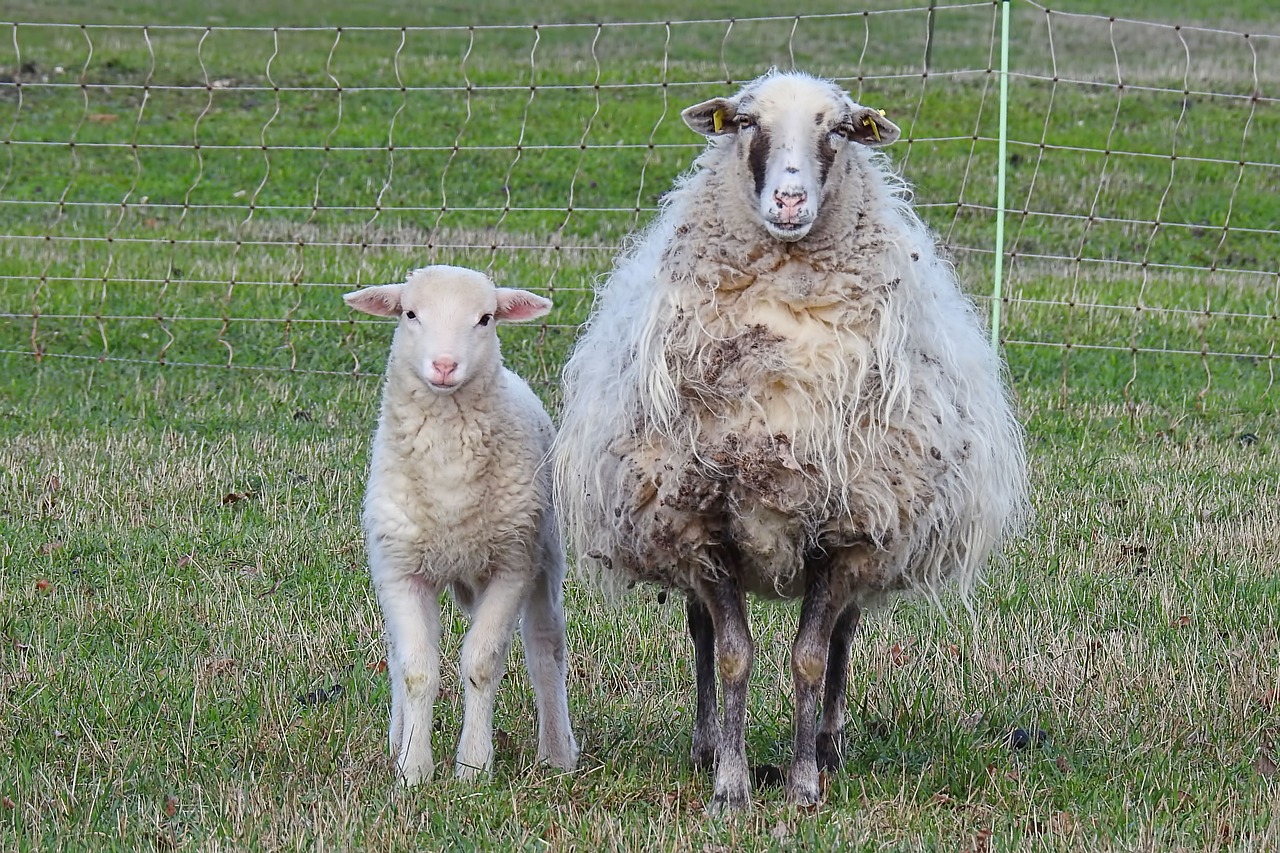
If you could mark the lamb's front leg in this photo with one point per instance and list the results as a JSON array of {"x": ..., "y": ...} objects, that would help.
[
  {"x": 809, "y": 659},
  {"x": 706, "y": 728},
  {"x": 735, "y": 653},
  {"x": 411, "y": 615},
  {"x": 484, "y": 660}
]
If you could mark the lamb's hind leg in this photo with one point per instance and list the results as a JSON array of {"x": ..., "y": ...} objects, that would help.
[
  {"x": 830, "y": 729},
  {"x": 706, "y": 728},
  {"x": 484, "y": 660},
  {"x": 809, "y": 660},
  {"x": 546, "y": 659},
  {"x": 726, "y": 602}
]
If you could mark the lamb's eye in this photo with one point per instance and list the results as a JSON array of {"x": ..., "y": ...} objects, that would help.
[
  {"x": 484, "y": 320},
  {"x": 410, "y": 315},
  {"x": 745, "y": 122}
]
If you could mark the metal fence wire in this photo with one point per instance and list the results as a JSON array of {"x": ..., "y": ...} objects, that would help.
[{"x": 202, "y": 196}]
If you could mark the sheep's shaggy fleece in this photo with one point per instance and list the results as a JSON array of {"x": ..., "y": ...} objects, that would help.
[{"x": 834, "y": 394}]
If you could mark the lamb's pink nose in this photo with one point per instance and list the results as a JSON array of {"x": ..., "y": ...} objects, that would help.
[
  {"x": 788, "y": 205},
  {"x": 442, "y": 371}
]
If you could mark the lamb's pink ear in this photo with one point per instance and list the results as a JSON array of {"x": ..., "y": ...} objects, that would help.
[
  {"x": 381, "y": 300},
  {"x": 516, "y": 306}
]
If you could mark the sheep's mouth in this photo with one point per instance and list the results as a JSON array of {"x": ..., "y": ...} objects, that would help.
[
  {"x": 788, "y": 232},
  {"x": 443, "y": 387}
]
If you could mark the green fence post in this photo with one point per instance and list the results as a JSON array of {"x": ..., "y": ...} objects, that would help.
[{"x": 998, "y": 283}]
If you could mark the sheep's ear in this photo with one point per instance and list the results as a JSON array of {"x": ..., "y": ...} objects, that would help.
[
  {"x": 712, "y": 118},
  {"x": 516, "y": 306},
  {"x": 381, "y": 300},
  {"x": 871, "y": 128}
]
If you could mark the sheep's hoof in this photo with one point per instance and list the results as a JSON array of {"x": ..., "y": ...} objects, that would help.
[
  {"x": 727, "y": 802},
  {"x": 703, "y": 756},
  {"x": 804, "y": 796},
  {"x": 804, "y": 789},
  {"x": 829, "y": 748}
]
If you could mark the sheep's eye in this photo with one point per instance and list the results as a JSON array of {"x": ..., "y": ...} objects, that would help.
[
  {"x": 410, "y": 314},
  {"x": 845, "y": 131},
  {"x": 484, "y": 321},
  {"x": 745, "y": 122}
]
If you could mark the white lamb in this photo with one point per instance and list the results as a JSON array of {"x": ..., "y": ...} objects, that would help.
[
  {"x": 783, "y": 391},
  {"x": 459, "y": 495}
]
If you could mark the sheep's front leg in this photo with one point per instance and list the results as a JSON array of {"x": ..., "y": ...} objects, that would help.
[
  {"x": 735, "y": 652},
  {"x": 484, "y": 660},
  {"x": 809, "y": 666},
  {"x": 834, "y": 700},
  {"x": 545, "y": 656},
  {"x": 706, "y": 728},
  {"x": 411, "y": 614}
]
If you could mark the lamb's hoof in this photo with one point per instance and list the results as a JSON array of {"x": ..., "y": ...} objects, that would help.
[
  {"x": 829, "y": 749},
  {"x": 413, "y": 775},
  {"x": 469, "y": 772},
  {"x": 563, "y": 758}
]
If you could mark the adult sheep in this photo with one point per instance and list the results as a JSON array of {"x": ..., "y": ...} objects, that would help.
[
  {"x": 782, "y": 391},
  {"x": 459, "y": 496}
]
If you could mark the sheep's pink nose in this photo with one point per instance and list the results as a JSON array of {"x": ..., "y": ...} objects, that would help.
[
  {"x": 788, "y": 204},
  {"x": 443, "y": 369}
]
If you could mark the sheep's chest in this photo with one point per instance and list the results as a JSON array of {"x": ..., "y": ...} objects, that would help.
[{"x": 781, "y": 392}]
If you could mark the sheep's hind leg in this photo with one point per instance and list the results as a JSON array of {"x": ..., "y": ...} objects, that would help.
[
  {"x": 831, "y": 728},
  {"x": 484, "y": 659},
  {"x": 809, "y": 664},
  {"x": 411, "y": 613},
  {"x": 726, "y": 602},
  {"x": 546, "y": 659},
  {"x": 706, "y": 728}
]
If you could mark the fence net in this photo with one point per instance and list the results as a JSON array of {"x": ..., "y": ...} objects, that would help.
[{"x": 203, "y": 196}]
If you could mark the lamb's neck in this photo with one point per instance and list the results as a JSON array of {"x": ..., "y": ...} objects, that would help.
[{"x": 409, "y": 407}]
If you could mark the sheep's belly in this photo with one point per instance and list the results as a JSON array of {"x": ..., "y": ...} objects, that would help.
[{"x": 750, "y": 492}]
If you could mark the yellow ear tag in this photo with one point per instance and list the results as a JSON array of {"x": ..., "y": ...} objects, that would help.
[
  {"x": 717, "y": 118},
  {"x": 875, "y": 128}
]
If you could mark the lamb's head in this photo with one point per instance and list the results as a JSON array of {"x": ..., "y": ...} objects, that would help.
[
  {"x": 787, "y": 130},
  {"x": 447, "y": 321}
]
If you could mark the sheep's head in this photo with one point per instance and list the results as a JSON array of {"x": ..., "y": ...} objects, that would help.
[
  {"x": 447, "y": 321},
  {"x": 788, "y": 130}
]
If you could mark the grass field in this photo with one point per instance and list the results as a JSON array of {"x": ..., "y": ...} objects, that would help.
[{"x": 189, "y": 650}]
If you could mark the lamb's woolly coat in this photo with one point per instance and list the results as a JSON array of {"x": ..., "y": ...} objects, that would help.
[
  {"x": 478, "y": 454},
  {"x": 833, "y": 394}
]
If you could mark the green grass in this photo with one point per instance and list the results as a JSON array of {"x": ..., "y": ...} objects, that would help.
[{"x": 180, "y": 558}]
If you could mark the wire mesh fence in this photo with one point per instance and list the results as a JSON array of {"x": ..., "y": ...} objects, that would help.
[{"x": 202, "y": 196}]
